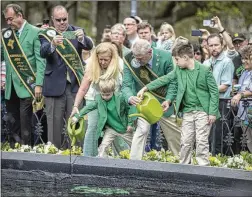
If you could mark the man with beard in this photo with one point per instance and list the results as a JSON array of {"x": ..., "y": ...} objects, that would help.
[
  {"x": 62, "y": 48},
  {"x": 223, "y": 69}
]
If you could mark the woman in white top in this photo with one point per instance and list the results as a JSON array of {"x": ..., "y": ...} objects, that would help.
[{"x": 103, "y": 64}]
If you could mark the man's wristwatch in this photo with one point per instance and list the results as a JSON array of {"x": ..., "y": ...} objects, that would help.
[
  {"x": 221, "y": 32},
  {"x": 242, "y": 95}
]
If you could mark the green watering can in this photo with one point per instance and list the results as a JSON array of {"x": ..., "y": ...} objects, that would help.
[
  {"x": 149, "y": 109},
  {"x": 76, "y": 131}
]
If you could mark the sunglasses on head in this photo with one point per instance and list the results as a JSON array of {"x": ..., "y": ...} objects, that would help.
[{"x": 60, "y": 19}]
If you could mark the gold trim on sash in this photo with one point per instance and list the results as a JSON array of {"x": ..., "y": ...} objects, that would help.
[{"x": 11, "y": 42}]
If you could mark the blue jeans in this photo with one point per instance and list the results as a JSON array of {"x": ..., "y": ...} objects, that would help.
[{"x": 90, "y": 146}]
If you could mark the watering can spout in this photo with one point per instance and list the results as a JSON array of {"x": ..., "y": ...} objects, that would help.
[{"x": 76, "y": 131}]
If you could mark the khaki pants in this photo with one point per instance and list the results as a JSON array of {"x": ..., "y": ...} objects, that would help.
[
  {"x": 248, "y": 136},
  {"x": 171, "y": 132},
  {"x": 109, "y": 137},
  {"x": 195, "y": 127}
]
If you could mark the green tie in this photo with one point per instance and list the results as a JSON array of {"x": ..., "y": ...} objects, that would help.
[{"x": 17, "y": 34}]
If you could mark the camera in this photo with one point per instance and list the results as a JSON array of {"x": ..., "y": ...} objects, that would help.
[
  {"x": 46, "y": 21},
  {"x": 208, "y": 23},
  {"x": 196, "y": 32}
]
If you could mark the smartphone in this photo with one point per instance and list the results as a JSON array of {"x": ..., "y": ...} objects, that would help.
[
  {"x": 196, "y": 32},
  {"x": 46, "y": 21},
  {"x": 208, "y": 23}
]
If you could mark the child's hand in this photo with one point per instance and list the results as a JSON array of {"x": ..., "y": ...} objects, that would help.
[
  {"x": 161, "y": 37},
  {"x": 166, "y": 105},
  {"x": 74, "y": 120},
  {"x": 129, "y": 129},
  {"x": 141, "y": 92}
]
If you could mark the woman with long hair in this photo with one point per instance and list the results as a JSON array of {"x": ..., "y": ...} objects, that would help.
[{"x": 103, "y": 64}]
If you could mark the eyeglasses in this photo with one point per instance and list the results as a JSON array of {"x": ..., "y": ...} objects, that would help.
[
  {"x": 117, "y": 33},
  {"x": 9, "y": 19},
  {"x": 129, "y": 24},
  {"x": 60, "y": 19},
  {"x": 197, "y": 53}
]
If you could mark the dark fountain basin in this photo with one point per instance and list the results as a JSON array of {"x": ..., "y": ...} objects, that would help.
[{"x": 28, "y": 174}]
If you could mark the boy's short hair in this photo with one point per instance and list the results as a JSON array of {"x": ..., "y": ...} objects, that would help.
[
  {"x": 144, "y": 25},
  {"x": 107, "y": 85},
  {"x": 183, "y": 49},
  {"x": 246, "y": 51}
]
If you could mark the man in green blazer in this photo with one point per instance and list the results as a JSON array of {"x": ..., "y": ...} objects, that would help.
[
  {"x": 113, "y": 112},
  {"x": 18, "y": 97},
  {"x": 197, "y": 97},
  {"x": 143, "y": 65}
]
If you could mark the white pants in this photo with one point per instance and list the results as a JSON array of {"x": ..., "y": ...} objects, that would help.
[
  {"x": 195, "y": 127},
  {"x": 171, "y": 132},
  {"x": 108, "y": 138}
]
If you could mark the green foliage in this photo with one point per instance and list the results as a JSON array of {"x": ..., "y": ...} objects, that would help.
[
  {"x": 124, "y": 154},
  {"x": 242, "y": 161},
  {"x": 5, "y": 146},
  {"x": 247, "y": 157},
  {"x": 74, "y": 151},
  {"x": 219, "y": 8},
  {"x": 98, "y": 190}
]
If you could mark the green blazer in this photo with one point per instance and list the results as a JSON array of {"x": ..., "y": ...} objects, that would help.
[
  {"x": 31, "y": 46},
  {"x": 122, "y": 106},
  {"x": 206, "y": 87},
  {"x": 162, "y": 64}
]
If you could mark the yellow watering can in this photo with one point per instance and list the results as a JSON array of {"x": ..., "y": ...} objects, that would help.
[
  {"x": 76, "y": 131},
  {"x": 149, "y": 109}
]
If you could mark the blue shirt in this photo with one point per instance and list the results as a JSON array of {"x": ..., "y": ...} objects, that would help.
[
  {"x": 246, "y": 85},
  {"x": 223, "y": 70}
]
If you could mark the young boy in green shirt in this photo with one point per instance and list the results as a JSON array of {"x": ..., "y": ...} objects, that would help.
[
  {"x": 198, "y": 99},
  {"x": 113, "y": 112}
]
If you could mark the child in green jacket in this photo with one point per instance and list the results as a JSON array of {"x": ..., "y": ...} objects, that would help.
[
  {"x": 198, "y": 99},
  {"x": 113, "y": 112}
]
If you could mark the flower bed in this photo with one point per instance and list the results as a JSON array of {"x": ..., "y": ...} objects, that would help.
[{"x": 242, "y": 161}]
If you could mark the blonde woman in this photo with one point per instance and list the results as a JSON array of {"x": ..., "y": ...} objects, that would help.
[
  {"x": 166, "y": 37},
  {"x": 103, "y": 64}
]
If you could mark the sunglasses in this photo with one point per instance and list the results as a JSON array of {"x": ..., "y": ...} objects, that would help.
[
  {"x": 197, "y": 53},
  {"x": 60, "y": 19}
]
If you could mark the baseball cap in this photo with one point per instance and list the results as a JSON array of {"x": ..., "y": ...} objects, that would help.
[{"x": 238, "y": 36}]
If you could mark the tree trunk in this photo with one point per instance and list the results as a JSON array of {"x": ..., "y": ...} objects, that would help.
[{"x": 108, "y": 14}]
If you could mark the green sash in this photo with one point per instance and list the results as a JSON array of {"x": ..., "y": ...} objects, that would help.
[
  {"x": 18, "y": 60},
  {"x": 145, "y": 75},
  {"x": 67, "y": 52}
]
